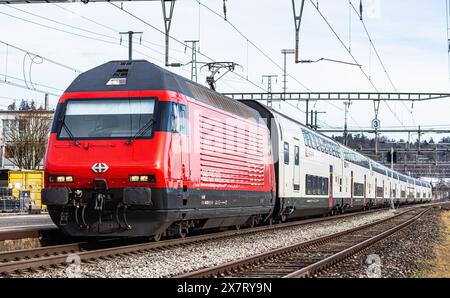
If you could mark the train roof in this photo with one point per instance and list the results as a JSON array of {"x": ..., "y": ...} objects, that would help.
[{"x": 143, "y": 75}]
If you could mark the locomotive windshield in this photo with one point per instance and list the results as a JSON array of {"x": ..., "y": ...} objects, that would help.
[{"x": 107, "y": 118}]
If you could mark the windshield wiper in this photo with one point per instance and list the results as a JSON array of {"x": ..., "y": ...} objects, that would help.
[
  {"x": 69, "y": 133},
  {"x": 142, "y": 130}
]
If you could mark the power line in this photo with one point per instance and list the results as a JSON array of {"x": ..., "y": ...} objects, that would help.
[
  {"x": 57, "y": 29},
  {"x": 262, "y": 52},
  {"x": 82, "y": 29},
  {"x": 25, "y": 87},
  {"x": 37, "y": 84},
  {"x": 379, "y": 58},
  {"x": 111, "y": 28},
  {"x": 45, "y": 58},
  {"x": 353, "y": 57},
  {"x": 64, "y": 24},
  {"x": 75, "y": 34},
  {"x": 251, "y": 42},
  {"x": 180, "y": 42}
]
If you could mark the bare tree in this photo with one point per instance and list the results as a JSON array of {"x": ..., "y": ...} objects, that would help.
[{"x": 26, "y": 139}]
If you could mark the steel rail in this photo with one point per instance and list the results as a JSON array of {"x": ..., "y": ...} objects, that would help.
[
  {"x": 15, "y": 234},
  {"x": 336, "y": 258},
  {"x": 45, "y": 256},
  {"x": 241, "y": 265}
]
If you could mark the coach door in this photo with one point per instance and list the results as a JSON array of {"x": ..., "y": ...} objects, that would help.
[
  {"x": 330, "y": 195},
  {"x": 351, "y": 189},
  {"x": 365, "y": 189},
  {"x": 296, "y": 165}
]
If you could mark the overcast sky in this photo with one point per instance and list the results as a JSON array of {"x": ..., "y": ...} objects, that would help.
[{"x": 411, "y": 37}]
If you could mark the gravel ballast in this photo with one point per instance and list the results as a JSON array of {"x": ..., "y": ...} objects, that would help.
[
  {"x": 177, "y": 260},
  {"x": 400, "y": 256}
]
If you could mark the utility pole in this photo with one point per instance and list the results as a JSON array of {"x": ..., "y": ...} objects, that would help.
[
  {"x": 194, "y": 71},
  {"x": 392, "y": 158},
  {"x": 130, "y": 42},
  {"x": 46, "y": 102},
  {"x": 285, "y": 52},
  {"x": 347, "y": 105},
  {"x": 314, "y": 119},
  {"x": 420, "y": 134},
  {"x": 269, "y": 87},
  {"x": 297, "y": 20},
  {"x": 167, "y": 16}
]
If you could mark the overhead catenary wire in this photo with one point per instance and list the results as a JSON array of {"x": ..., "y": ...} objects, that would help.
[
  {"x": 248, "y": 41},
  {"x": 115, "y": 30},
  {"x": 25, "y": 87},
  {"x": 116, "y": 39},
  {"x": 379, "y": 58},
  {"x": 251, "y": 42},
  {"x": 43, "y": 57},
  {"x": 354, "y": 59},
  {"x": 37, "y": 84},
  {"x": 100, "y": 39},
  {"x": 77, "y": 34},
  {"x": 206, "y": 56},
  {"x": 181, "y": 42}
]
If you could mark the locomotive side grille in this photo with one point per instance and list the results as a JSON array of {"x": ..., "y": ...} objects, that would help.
[
  {"x": 230, "y": 155},
  {"x": 221, "y": 102}
]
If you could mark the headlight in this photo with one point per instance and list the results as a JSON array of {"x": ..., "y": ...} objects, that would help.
[
  {"x": 143, "y": 178},
  {"x": 134, "y": 178},
  {"x": 60, "y": 179}
]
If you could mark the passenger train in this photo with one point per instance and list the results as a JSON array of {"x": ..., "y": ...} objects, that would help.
[{"x": 136, "y": 150}]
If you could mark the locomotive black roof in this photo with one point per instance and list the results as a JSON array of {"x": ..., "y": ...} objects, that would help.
[{"x": 143, "y": 75}]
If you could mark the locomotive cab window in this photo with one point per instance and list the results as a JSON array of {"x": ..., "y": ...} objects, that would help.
[{"x": 107, "y": 118}]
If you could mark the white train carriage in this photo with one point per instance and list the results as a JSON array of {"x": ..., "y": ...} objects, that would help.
[{"x": 316, "y": 175}]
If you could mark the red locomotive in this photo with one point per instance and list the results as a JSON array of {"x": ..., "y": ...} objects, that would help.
[{"x": 136, "y": 150}]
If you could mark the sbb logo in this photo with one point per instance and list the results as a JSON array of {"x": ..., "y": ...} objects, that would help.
[{"x": 100, "y": 167}]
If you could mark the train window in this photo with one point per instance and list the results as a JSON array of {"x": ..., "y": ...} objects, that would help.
[
  {"x": 313, "y": 141},
  {"x": 286, "y": 153},
  {"x": 325, "y": 186},
  {"x": 175, "y": 119},
  {"x": 318, "y": 143},
  {"x": 308, "y": 184},
  {"x": 108, "y": 118},
  {"x": 297, "y": 155},
  {"x": 321, "y": 144},
  {"x": 184, "y": 119},
  {"x": 380, "y": 192},
  {"x": 307, "y": 139},
  {"x": 358, "y": 189}
]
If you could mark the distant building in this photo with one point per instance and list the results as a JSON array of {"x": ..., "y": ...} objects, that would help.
[{"x": 7, "y": 120}]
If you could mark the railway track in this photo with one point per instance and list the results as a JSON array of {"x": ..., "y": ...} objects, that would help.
[
  {"x": 21, "y": 233},
  {"x": 20, "y": 261},
  {"x": 309, "y": 258}
]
